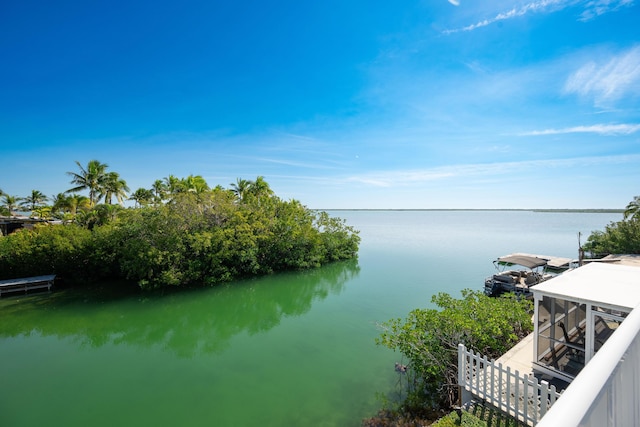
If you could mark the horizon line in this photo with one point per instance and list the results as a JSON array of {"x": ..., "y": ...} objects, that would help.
[{"x": 568, "y": 210}]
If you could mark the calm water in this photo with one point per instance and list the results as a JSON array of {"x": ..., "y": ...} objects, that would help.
[{"x": 286, "y": 350}]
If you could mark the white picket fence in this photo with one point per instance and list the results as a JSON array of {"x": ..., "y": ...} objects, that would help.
[{"x": 520, "y": 396}]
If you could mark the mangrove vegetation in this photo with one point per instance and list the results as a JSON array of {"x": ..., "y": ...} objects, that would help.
[
  {"x": 181, "y": 232},
  {"x": 621, "y": 237},
  {"x": 429, "y": 338}
]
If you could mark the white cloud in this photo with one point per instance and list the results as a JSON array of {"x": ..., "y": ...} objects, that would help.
[
  {"x": 401, "y": 178},
  {"x": 455, "y": 2},
  {"x": 293, "y": 163},
  {"x": 609, "y": 81},
  {"x": 394, "y": 178},
  {"x": 532, "y": 7},
  {"x": 591, "y": 9},
  {"x": 596, "y": 8},
  {"x": 602, "y": 129}
]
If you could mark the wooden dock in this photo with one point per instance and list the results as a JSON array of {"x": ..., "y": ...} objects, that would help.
[{"x": 26, "y": 284}]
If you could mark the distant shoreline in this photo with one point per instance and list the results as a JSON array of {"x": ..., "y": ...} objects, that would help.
[{"x": 485, "y": 210}]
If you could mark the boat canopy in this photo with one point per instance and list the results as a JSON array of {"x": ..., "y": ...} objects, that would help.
[{"x": 524, "y": 260}]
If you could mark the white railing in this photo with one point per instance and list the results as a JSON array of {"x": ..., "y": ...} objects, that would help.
[
  {"x": 607, "y": 390},
  {"x": 520, "y": 396}
]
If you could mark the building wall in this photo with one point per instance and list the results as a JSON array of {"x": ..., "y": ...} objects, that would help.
[{"x": 607, "y": 390}]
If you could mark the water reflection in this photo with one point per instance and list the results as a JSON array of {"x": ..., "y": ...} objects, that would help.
[{"x": 185, "y": 323}]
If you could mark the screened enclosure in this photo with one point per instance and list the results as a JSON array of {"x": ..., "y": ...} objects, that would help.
[{"x": 576, "y": 312}]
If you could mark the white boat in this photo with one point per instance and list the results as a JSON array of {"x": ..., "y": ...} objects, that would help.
[{"x": 517, "y": 273}]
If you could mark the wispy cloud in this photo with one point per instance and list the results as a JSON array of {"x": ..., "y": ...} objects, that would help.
[
  {"x": 288, "y": 162},
  {"x": 609, "y": 81},
  {"x": 537, "y": 6},
  {"x": 602, "y": 129},
  {"x": 596, "y": 8},
  {"x": 403, "y": 178},
  {"x": 591, "y": 10},
  {"x": 393, "y": 178}
]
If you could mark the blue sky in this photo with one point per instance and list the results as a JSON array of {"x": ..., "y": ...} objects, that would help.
[{"x": 339, "y": 104}]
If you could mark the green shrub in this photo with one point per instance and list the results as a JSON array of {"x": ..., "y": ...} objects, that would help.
[
  {"x": 195, "y": 239},
  {"x": 621, "y": 237},
  {"x": 429, "y": 339},
  {"x": 44, "y": 250},
  {"x": 462, "y": 418}
]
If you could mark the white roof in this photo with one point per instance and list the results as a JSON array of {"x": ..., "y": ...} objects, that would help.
[{"x": 610, "y": 285}]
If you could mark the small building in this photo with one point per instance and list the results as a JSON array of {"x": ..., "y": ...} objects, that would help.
[
  {"x": 576, "y": 312},
  {"x": 585, "y": 343},
  {"x": 9, "y": 224}
]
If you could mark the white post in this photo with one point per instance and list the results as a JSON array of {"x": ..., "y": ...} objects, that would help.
[
  {"x": 464, "y": 395},
  {"x": 484, "y": 376},
  {"x": 493, "y": 376},
  {"x": 500, "y": 384},
  {"x": 544, "y": 399},
  {"x": 525, "y": 397}
]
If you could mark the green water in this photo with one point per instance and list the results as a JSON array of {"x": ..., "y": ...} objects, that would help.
[{"x": 292, "y": 349}]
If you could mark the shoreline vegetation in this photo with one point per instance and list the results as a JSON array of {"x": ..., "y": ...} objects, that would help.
[
  {"x": 428, "y": 339},
  {"x": 181, "y": 233}
]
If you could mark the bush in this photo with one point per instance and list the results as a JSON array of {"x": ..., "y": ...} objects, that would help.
[
  {"x": 429, "y": 339},
  {"x": 44, "y": 250},
  {"x": 621, "y": 237},
  {"x": 462, "y": 418},
  {"x": 196, "y": 239}
]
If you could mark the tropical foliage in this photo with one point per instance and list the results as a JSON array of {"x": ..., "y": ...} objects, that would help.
[
  {"x": 92, "y": 178},
  {"x": 429, "y": 339},
  {"x": 9, "y": 203},
  {"x": 45, "y": 250},
  {"x": 181, "y": 233},
  {"x": 622, "y": 237},
  {"x": 142, "y": 197},
  {"x": 113, "y": 186},
  {"x": 462, "y": 418},
  {"x": 632, "y": 211},
  {"x": 34, "y": 200}
]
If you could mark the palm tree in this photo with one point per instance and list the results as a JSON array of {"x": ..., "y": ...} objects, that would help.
[
  {"x": 194, "y": 184},
  {"x": 60, "y": 202},
  {"x": 633, "y": 208},
  {"x": 142, "y": 196},
  {"x": 159, "y": 191},
  {"x": 260, "y": 187},
  {"x": 240, "y": 187},
  {"x": 92, "y": 178},
  {"x": 36, "y": 199},
  {"x": 114, "y": 186},
  {"x": 79, "y": 202},
  {"x": 172, "y": 184},
  {"x": 99, "y": 215},
  {"x": 42, "y": 212},
  {"x": 69, "y": 204},
  {"x": 10, "y": 203}
]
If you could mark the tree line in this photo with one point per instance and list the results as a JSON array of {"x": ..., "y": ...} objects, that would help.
[
  {"x": 181, "y": 233},
  {"x": 105, "y": 186}
]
